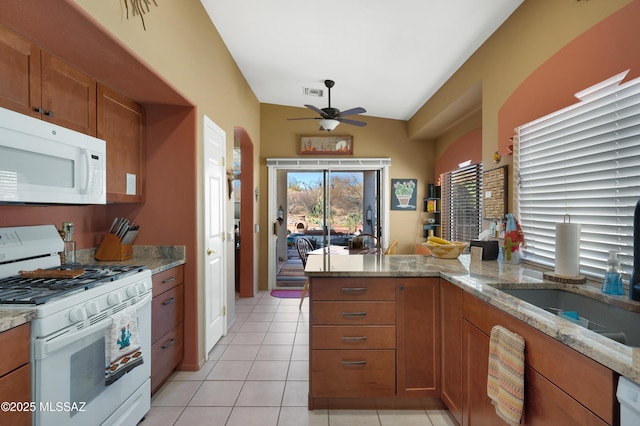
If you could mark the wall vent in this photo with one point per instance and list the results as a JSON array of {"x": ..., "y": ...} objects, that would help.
[{"x": 318, "y": 93}]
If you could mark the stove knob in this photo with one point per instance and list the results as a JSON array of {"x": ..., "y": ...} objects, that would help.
[
  {"x": 114, "y": 299},
  {"x": 143, "y": 287},
  {"x": 77, "y": 314},
  {"x": 92, "y": 308},
  {"x": 132, "y": 291}
]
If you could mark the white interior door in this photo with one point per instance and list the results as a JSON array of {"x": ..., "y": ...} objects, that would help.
[{"x": 214, "y": 220}]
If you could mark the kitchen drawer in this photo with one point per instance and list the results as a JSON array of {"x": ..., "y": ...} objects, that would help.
[
  {"x": 353, "y": 373},
  {"x": 16, "y": 387},
  {"x": 353, "y": 289},
  {"x": 353, "y": 337},
  {"x": 166, "y": 354},
  {"x": 353, "y": 313},
  {"x": 167, "y": 311},
  {"x": 166, "y": 280},
  {"x": 15, "y": 348}
]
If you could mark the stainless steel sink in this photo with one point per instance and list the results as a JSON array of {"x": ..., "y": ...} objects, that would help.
[{"x": 611, "y": 321}]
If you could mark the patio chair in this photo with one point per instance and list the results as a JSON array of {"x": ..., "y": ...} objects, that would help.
[
  {"x": 392, "y": 247},
  {"x": 304, "y": 246}
]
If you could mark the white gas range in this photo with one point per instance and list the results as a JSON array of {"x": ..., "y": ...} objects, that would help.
[{"x": 70, "y": 335}]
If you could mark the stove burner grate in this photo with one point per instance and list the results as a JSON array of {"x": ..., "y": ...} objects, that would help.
[{"x": 36, "y": 291}]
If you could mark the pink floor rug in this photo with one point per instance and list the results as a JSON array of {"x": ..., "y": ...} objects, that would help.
[{"x": 288, "y": 294}]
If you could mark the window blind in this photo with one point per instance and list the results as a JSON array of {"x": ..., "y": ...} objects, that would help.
[
  {"x": 462, "y": 203},
  {"x": 582, "y": 161}
]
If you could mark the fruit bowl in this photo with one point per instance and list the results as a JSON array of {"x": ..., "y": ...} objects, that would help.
[{"x": 446, "y": 251}]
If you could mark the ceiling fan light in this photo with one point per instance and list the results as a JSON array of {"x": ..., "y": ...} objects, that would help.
[{"x": 329, "y": 124}]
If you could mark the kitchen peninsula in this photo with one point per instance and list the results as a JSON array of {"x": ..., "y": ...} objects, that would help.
[{"x": 405, "y": 331}]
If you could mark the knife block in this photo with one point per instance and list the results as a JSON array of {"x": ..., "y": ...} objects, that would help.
[{"x": 112, "y": 248}]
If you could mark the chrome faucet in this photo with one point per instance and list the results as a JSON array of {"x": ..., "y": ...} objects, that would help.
[{"x": 634, "y": 284}]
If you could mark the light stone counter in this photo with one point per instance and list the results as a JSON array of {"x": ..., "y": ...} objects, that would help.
[
  {"x": 13, "y": 318},
  {"x": 484, "y": 279}
]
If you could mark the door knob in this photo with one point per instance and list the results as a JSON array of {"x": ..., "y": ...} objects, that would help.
[{"x": 210, "y": 251}]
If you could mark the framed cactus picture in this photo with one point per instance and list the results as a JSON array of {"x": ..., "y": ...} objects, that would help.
[{"x": 404, "y": 194}]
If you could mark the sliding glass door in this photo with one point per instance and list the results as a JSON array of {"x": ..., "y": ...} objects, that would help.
[{"x": 326, "y": 205}]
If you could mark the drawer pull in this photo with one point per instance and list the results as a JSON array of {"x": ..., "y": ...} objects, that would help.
[
  {"x": 169, "y": 344},
  {"x": 363, "y": 362},
  {"x": 349, "y": 339},
  {"x": 169, "y": 280},
  {"x": 169, "y": 301},
  {"x": 354, "y": 314},
  {"x": 354, "y": 289}
]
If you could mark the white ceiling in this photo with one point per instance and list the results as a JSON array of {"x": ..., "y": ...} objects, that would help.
[{"x": 388, "y": 57}]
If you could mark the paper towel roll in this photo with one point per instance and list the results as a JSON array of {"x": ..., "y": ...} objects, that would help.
[{"x": 568, "y": 249}]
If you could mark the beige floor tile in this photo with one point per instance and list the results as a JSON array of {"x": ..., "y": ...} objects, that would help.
[
  {"x": 279, "y": 339},
  {"x": 285, "y": 316},
  {"x": 217, "y": 393},
  {"x": 261, "y": 394},
  {"x": 441, "y": 418},
  {"x": 268, "y": 370},
  {"x": 195, "y": 375},
  {"x": 266, "y": 308},
  {"x": 302, "y": 338},
  {"x": 298, "y": 370},
  {"x": 300, "y": 353},
  {"x": 296, "y": 394},
  {"x": 404, "y": 418},
  {"x": 175, "y": 394},
  {"x": 230, "y": 370},
  {"x": 252, "y": 338},
  {"x": 274, "y": 353},
  {"x": 353, "y": 418},
  {"x": 201, "y": 416},
  {"x": 162, "y": 416},
  {"x": 217, "y": 351},
  {"x": 301, "y": 416},
  {"x": 260, "y": 316},
  {"x": 240, "y": 353},
  {"x": 283, "y": 327},
  {"x": 255, "y": 326},
  {"x": 253, "y": 416}
]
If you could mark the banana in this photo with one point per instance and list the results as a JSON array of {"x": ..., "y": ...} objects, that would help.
[{"x": 439, "y": 241}]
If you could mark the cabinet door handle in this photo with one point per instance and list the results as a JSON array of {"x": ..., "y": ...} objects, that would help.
[
  {"x": 169, "y": 280},
  {"x": 348, "y": 339},
  {"x": 169, "y": 301},
  {"x": 354, "y": 289},
  {"x": 363, "y": 362},
  {"x": 354, "y": 314},
  {"x": 169, "y": 344},
  {"x": 43, "y": 111}
]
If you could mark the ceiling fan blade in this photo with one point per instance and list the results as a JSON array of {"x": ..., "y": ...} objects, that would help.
[
  {"x": 354, "y": 122},
  {"x": 318, "y": 110},
  {"x": 353, "y": 111}
]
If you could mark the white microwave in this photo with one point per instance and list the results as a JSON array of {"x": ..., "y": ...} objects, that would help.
[{"x": 44, "y": 163}]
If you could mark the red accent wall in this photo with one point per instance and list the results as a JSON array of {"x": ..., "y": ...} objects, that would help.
[
  {"x": 467, "y": 147},
  {"x": 604, "y": 50}
]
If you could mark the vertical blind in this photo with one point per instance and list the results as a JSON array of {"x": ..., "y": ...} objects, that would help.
[
  {"x": 582, "y": 161},
  {"x": 462, "y": 203}
]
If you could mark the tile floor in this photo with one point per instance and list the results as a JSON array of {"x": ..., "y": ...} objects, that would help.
[{"x": 258, "y": 375}]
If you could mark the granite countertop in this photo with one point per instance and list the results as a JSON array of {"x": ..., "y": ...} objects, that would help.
[
  {"x": 484, "y": 280},
  {"x": 155, "y": 258}
]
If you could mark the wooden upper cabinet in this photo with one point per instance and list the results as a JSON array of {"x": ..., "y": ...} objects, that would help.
[
  {"x": 19, "y": 73},
  {"x": 35, "y": 83},
  {"x": 121, "y": 124},
  {"x": 68, "y": 96}
]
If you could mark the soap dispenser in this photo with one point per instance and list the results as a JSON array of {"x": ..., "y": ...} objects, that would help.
[{"x": 612, "y": 280}]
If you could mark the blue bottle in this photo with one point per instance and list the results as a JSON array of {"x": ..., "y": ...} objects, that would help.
[{"x": 612, "y": 280}]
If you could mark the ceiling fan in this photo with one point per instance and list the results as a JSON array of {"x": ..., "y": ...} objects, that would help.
[{"x": 331, "y": 117}]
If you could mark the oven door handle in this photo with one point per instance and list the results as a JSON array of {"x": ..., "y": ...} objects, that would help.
[{"x": 45, "y": 346}]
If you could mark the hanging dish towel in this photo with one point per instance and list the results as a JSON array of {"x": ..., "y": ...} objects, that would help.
[
  {"x": 122, "y": 345},
  {"x": 505, "y": 381}
]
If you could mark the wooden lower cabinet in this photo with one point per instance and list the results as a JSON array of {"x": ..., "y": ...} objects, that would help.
[
  {"x": 562, "y": 386},
  {"x": 451, "y": 347},
  {"x": 374, "y": 342},
  {"x": 15, "y": 373},
  {"x": 167, "y": 331}
]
